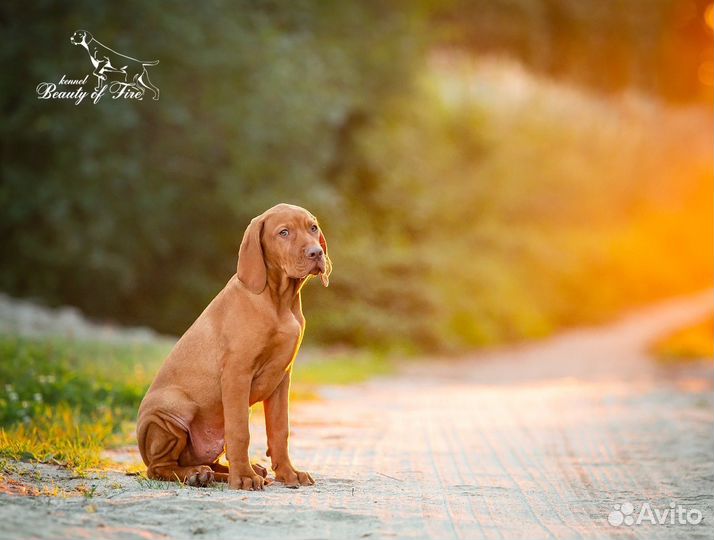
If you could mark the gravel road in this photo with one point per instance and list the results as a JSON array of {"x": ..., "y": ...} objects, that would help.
[{"x": 568, "y": 437}]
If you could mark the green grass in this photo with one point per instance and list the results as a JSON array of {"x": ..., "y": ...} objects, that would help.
[
  {"x": 91, "y": 378},
  {"x": 692, "y": 343},
  {"x": 65, "y": 401},
  {"x": 346, "y": 367},
  {"x": 59, "y": 435}
]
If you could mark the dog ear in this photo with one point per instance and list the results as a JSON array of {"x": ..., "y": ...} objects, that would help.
[
  {"x": 325, "y": 276},
  {"x": 251, "y": 264}
]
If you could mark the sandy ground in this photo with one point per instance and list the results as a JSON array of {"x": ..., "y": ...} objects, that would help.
[{"x": 535, "y": 441}]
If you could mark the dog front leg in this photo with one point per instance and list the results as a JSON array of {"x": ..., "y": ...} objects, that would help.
[
  {"x": 235, "y": 388},
  {"x": 277, "y": 425},
  {"x": 99, "y": 74},
  {"x": 100, "y": 78}
]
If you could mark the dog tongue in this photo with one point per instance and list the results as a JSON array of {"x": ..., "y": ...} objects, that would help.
[{"x": 324, "y": 279}]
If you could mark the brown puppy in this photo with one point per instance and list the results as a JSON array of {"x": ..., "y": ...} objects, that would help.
[{"x": 239, "y": 351}]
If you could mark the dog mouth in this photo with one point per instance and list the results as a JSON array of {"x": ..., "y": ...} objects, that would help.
[{"x": 318, "y": 269}]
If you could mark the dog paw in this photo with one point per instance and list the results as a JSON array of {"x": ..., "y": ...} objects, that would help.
[
  {"x": 249, "y": 483},
  {"x": 293, "y": 479},
  {"x": 202, "y": 477},
  {"x": 260, "y": 470}
]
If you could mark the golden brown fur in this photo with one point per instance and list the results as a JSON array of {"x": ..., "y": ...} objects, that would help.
[{"x": 238, "y": 352}]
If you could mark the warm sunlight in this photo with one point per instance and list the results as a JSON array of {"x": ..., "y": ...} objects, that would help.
[
  {"x": 709, "y": 16},
  {"x": 516, "y": 340}
]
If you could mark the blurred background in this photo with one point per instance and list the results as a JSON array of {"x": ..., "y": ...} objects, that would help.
[{"x": 485, "y": 171}]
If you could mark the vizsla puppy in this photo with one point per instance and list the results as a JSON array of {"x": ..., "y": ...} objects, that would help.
[{"x": 239, "y": 351}]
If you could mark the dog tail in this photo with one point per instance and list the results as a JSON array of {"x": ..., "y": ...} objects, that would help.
[{"x": 152, "y": 63}]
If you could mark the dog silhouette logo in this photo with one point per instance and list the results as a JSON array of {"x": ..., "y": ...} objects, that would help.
[{"x": 113, "y": 68}]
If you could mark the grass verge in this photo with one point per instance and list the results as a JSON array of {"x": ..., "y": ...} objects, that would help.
[
  {"x": 65, "y": 401},
  {"x": 341, "y": 367},
  {"x": 58, "y": 436}
]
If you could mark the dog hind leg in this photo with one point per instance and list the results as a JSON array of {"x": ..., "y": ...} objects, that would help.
[
  {"x": 161, "y": 441},
  {"x": 146, "y": 82}
]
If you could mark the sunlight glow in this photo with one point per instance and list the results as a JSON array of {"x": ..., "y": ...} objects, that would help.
[{"x": 709, "y": 16}]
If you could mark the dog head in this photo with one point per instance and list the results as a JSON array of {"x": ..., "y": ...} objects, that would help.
[
  {"x": 81, "y": 37},
  {"x": 287, "y": 238}
]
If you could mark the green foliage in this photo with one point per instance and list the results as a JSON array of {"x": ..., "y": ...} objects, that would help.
[
  {"x": 465, "y": 202},
  {"x": 507, "y": 207},
  {"x": 88, "y": 378},
  {"x": 134, "y": 210}
]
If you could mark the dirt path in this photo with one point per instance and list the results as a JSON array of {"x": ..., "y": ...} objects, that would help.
[{"x": 536, "y": 441}]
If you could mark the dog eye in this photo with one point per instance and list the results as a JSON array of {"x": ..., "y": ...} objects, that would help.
[
  {"x": 313, "y": 228},
  {"x": 284, "y": 233}
]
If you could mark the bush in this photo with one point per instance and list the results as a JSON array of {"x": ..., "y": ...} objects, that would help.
[
  {"x": 133, "y": 211},
  {"x": 492, "y": 206},
  {"x": 465, "y": 202}
]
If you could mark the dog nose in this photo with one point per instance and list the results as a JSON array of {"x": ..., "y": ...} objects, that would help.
[{"x": 314, "y": 252}]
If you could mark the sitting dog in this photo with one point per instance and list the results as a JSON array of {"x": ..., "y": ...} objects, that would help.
[
  {"x": 108, "y": 61},
  {"x": 238, "y": 352}
]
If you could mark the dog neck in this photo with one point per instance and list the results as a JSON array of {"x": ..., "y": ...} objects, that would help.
[
  {"x": 284, "y": 290},
  {"x": 85, "y": 44}
]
